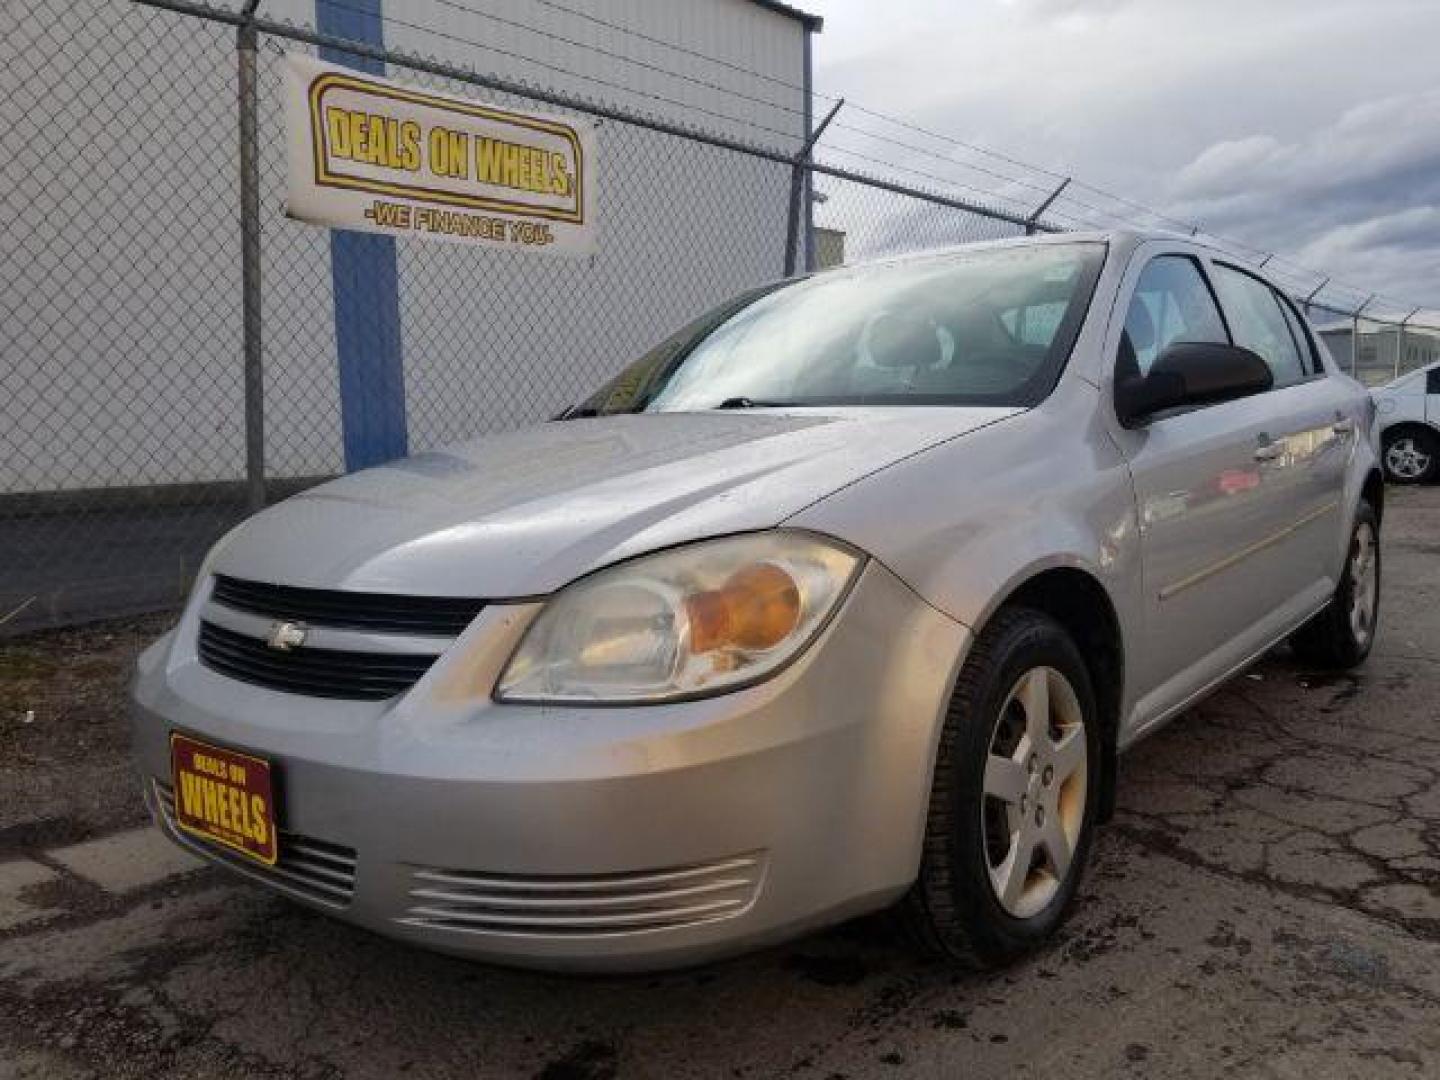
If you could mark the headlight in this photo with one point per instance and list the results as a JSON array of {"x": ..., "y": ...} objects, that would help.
[{"x": 687, "y": 622}]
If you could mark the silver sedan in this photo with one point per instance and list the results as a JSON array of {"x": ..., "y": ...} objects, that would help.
[{"x": 847, "y": 596}]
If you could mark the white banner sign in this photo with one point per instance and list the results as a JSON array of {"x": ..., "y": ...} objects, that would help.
[{"x": 368, "y": 153}]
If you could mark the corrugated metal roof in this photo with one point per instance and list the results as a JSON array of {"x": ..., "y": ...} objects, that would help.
[{"x": 811, "y": 22}]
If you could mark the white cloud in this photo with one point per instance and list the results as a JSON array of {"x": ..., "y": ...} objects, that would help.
[
  {"x": 1282, "y": 123},
  {"x": 1218, "y": 166},
  {"x": 1395, "y": 231},
  {"x": 1394, "y": 254},
  {"x": 1358, "y": 197},
  {"x": 1371, "y": 142},
  {"x": 1067, "y": 8}
]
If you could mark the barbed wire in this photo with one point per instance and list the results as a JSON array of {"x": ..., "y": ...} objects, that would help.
[
  {"x": 1066, "y": 209},
  {"x": 633, "y": 61},
  {"x": 817, "y": 95},
  {"x": 653, "y": 40},
  {"x": 1069, "y": 209}
]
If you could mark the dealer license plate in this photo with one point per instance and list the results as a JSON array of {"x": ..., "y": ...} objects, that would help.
[{"x": 225, "y": 797}]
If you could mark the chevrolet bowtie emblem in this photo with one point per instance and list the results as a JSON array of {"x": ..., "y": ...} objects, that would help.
[{"x": 285, "y": 636}]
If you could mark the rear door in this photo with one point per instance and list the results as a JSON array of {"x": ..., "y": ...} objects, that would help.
[
  {"x": 1313, "y": 432},
  {"x": 1209, "y": 503}
]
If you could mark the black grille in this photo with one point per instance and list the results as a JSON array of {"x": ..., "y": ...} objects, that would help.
[
  {"x": 331, "y": 673},
  {"x": 442, "y": 616}
]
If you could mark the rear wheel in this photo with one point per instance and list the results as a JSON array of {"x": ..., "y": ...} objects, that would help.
[
  {"x": 1341, "y": 636},
  {"x": 1013, "y": 802},
  {"x": 1411, "y": 455}
]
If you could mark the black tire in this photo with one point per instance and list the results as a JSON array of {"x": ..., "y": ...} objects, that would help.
[
  {"x": 1425, "y": 446},
  {"x": 1330, "y": 639},
  {"x": 952, "y": 910}
]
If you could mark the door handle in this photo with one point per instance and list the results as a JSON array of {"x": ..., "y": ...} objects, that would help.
[
  {"x": 1343, "y": 427},
  {"x": 1269, "y": 451}
]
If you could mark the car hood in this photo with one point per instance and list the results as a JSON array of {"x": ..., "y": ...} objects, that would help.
[{"x": 522, "y": 513}]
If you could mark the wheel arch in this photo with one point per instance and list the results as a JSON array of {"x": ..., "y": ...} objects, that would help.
[
  {"x": 1372, "y": 490},
  {"x": 1078, "y": 600},
  {"x": 1410, "y": 424}
]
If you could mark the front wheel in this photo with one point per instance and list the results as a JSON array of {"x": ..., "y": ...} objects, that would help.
[
  {"x": 1411, "y": 456},
  {"x": 1013, "y": 801},
  {"x": 1342, "y": 635}
]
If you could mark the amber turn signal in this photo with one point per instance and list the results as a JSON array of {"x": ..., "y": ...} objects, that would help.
[{"x": 757, "y": 608}]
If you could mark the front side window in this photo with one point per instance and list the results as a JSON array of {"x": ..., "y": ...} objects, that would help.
[
  {"x": 988, "y": 327},
  {"x": 1172, "y": 303},
  {"x": 1259, "y": 323}
]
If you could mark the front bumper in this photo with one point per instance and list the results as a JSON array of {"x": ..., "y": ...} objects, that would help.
[{"x": 589, "y": 838}]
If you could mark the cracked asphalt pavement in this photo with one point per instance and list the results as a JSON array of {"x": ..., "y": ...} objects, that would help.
[{"x": 1265, "y": 904}]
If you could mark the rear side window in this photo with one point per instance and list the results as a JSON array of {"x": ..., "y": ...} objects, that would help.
[
  {"x": 1303, "y": 341},
  {"x": 1259, "y": 323},
  {"x": 1171, "y": 303}
]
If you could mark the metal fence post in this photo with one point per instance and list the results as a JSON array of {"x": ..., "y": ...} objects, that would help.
[
  {"x": 792, "y": 218},
  {"x": 246, "y": 56},
  {"x": 799, "y": 180},
  {"x": 807, "y": 238},
  {"x": 1032, "y": 223},
  {"x": 1400, "y": 341},
  {"x": 1355, "y": 337},
  {"x": 1309, "y": 300}
]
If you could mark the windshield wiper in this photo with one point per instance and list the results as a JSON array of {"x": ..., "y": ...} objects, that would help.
[{"x": 751, "y": 403}]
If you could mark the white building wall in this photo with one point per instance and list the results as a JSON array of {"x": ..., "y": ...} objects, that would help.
[
  {"x": 120, "y": 275},
  {"x": 737, "y": 32}
]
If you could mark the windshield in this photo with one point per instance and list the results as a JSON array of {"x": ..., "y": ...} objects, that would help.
[{"x": 990, "y": 327}]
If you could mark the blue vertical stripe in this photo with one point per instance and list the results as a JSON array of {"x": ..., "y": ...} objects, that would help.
[{"x": 367, "y": 288}]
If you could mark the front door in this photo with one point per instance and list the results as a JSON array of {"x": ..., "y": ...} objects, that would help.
[{"x": 1211, "y": 504}]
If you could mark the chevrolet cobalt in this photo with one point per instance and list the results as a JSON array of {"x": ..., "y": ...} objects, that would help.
[{"x": 847, "y": 596}]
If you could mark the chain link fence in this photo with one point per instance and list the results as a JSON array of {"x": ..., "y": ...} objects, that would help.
[{"x": 125, "y": 450}]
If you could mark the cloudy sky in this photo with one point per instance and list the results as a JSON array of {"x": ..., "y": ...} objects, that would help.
[{"x": 1308, "y": 127}]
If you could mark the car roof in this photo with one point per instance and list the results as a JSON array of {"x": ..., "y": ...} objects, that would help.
[{"x": 1122, "y": 241}]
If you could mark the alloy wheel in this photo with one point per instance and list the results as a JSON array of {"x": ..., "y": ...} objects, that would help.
[
  {"x": 1364, "y": 583},
  {"x": 1406, "y": 459},
  {"x": 1033, "y": 805}
]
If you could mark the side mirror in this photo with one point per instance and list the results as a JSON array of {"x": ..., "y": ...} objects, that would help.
[{"x": 1191, "y": 373}]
